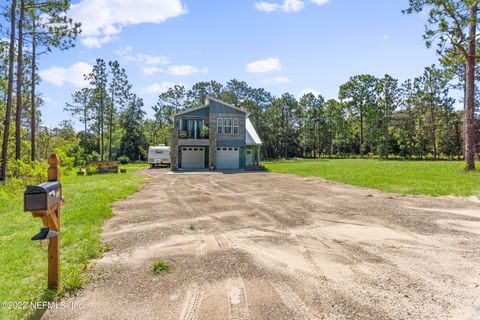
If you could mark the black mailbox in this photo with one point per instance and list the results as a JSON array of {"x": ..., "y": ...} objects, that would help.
[{"x": 42, "y": 197}]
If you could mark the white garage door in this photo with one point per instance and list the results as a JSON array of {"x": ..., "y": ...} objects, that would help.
[
  {"x": 228, "y": 158},
  {"x": 193, "y": 157}
]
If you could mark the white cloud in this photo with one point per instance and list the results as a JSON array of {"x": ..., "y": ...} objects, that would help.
[
  {"x": 387, "y": 37},
  {"x": 152, "y": 60},
  {"x": 150, "y": 64},
  {"x": 158, "y": 88},
  {"x": 147, "y": 63},
  {"x": 151, "y": 70},
  {"x": 128, "y": 55},
  {"x": 286, "y": 5},
  {"x": 263, "y": 66},
  {"x": 73, "y": 74},
  {"x": 102, "y": 20},
  {"x": 308, "y": 90},
  {"x": 267, "y": 7},
  {"x": 320, "y": 2},
  {"x": 185, "y": 70},
  {"x": 277, "y": 80}
]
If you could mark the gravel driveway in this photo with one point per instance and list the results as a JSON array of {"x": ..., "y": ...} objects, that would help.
[{"x": 275, "y": 246}]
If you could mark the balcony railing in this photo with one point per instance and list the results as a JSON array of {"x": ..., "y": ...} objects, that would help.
[{"x": 192, "y": 134}]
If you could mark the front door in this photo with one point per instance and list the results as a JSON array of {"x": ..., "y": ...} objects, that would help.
[{"x": 249, "y": 158}]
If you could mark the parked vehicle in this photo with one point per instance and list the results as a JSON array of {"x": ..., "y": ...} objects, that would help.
[{"x": 159, "y": 155}]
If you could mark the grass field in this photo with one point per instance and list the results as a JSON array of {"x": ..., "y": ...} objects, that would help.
[
  {"x": 23, "y": 263},
  {"x": 435, "y": 178}
]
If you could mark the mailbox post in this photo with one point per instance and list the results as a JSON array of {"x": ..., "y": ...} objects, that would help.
[{"x": 44, "y": 201}]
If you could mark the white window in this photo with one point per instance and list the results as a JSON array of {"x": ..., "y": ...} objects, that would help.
[
  {"x": 228, "y": 125},
  {"x": 235, "y": 126},
  {"x": 219, "y": 125}
]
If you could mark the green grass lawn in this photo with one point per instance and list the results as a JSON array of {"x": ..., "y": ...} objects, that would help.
[
  {"x": 23, "y": 263},
  {"x": 434, "y": 178}
]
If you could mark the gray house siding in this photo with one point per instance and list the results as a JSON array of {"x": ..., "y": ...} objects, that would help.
[
  {"x": 218, "y": 110},
  {"x": 216, "y": 107},
  {"x": 210, "y": 114}
]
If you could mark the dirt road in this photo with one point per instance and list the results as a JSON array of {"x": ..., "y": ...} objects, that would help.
[{"x": 272, "y": 246}]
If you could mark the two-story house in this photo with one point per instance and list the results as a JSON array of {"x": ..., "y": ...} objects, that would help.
[{"x": 217, "y": 135}]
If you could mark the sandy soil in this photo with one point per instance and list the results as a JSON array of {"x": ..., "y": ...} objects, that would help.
[{"x": 273, "y": 246}]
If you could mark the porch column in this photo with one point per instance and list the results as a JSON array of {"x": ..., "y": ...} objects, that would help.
[
  {"x": 258, "y": 154},
  {"x": 212, "y": 148},
  {"x": 174, "y": 149}
]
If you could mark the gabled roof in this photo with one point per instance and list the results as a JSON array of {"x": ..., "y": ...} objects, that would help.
[
  {"x": 207, "y": 102},
  {"x": 251, "y": 136},
  {"x": 188, "y": 111}
]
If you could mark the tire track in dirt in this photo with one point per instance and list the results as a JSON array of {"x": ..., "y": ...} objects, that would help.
[
  {"x": 292, "y": 301},
  {"x": 173, "y": 193},
  {"x": 200, "y": 246},
  {"x": 221, "y": 241},
  {"x": 316, "y": 272},
  {"x": 278, "y": 265},
  {"x": 237, "y": 299},
  {"x": 255, "y": 206},
  {"x": 272, "y": 211},
  {"x": 193, "y": 301}
]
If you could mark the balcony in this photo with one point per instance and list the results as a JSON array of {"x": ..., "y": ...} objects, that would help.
[{"x": 193, "y": 132}]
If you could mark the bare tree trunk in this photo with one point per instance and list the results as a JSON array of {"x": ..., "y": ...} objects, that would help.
[
  {"x": 11, "y": 61},
  {"x": 385, "y": 131},
  {"x": 18, "y": 113},
  {"x": 110, "y": 129},
  {"x": 102, "y": 129},
  {"x": 33, "y": 124},
  {"x": 469, "y": 121},
  {"x": 361, "y": 130},
  {"x": 85, "y": 115},
  {"x": 434, "y": 131}
]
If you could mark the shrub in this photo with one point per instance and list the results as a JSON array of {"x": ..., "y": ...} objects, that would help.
[
  {"x": 160, "y": 267},
  {"x": 124, "y": 159},
  {"x": 23, "y": 174},
  {"x": 91, "y": 170}
]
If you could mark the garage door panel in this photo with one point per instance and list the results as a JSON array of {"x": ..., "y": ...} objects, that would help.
[
  {"x": 228, "y": 158},
  {"x": 193, "y": 158}
]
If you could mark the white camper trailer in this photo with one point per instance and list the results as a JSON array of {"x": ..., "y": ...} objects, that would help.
[{"x": 159, "y": 155}]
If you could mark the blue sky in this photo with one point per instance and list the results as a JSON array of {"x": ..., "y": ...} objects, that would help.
[{"x": 281, "y": 45}]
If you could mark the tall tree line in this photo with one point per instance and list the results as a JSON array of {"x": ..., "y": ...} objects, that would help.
[
  {"x": 453, "y": 27},
  {"x": 371, "y": 117},
  {"x": 112, "y": 116}
]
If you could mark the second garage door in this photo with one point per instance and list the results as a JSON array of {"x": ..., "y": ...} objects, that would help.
[
  {"x": 193, "y": 158},
  {"x": 228, "y": 158}
]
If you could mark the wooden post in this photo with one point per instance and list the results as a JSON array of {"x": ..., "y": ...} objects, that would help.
[{"x": 54, "y": 224}]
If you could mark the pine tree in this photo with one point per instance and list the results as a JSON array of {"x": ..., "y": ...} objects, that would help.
[
  {"x": 49, "y": 27},
  {"x": 119, "y": 90},
  {"x": 133, "y": 143},
  {"x": 8, "y": 109},
  {"x": 98, "y": 80}
]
